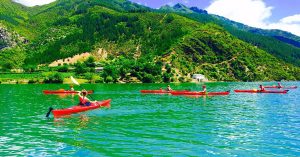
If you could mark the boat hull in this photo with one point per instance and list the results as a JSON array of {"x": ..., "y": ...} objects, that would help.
[
  {"x": 290, "y": 87},
  {"x": 64, "y": 92},
  {"x": 79, "y": 108},
  {"x": 199, "y": 93},
  {"x": 157, "y": 91},
  {"x": 262, "y": 91}
]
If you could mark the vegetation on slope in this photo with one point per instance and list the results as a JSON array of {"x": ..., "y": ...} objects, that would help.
[
  {"x": 278, "y": 43},
  {"x": 221, "y": 56},
  {"x": 142, "y": 45}
]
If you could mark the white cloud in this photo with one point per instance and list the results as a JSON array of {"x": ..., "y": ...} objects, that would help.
[
  {"x": 250, "y": 12},
  {"x": 290, "y": 24},
  {"x": 291, "y": 19},
  {"x": 33, "y": 2},
  {"x": 254, "y": 13}
]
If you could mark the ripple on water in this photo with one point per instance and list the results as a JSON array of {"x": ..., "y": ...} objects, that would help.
[{"x": 153, "y": 125}]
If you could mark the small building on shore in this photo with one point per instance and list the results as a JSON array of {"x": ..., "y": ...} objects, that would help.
[
  {"x": 98, "y": 69},
  {"x": 199, "y": 78}
]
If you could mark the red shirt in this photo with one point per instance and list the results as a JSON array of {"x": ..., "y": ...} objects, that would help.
[{"x": 83, "y": 100}]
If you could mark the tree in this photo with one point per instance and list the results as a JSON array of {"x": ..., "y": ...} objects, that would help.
[
  {"x": 111, "y": 71},
  {"x": 80, "y": 68},
  {"x": 64, "y": 68},
  {"x": 54, "y": 78},
  {"x": 167, "y": 77},
  {"x": 29, "y": 68},
  {"x": 90, "y": 62},
  {"x": 148, "y": 78}
]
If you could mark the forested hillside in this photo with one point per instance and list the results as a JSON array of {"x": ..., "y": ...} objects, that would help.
[
  {"x": 283, "y": 45},
  {"x": 149, "y": 45}
]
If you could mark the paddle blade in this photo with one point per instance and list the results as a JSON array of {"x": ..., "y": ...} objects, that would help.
[
  {"x": 49, "y": 111},
  {"x": 74, "y": 81}
]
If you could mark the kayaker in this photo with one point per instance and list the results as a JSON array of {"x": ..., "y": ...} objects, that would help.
[
  {"x": 83, "y": 100},
  {"x": 71, "y": 88},
  {"x": 262, "y": 88},
  {"x": 279, "y": 85},
  {"x": 204, "y": 88},
  {"x": 169, "y": 88}
]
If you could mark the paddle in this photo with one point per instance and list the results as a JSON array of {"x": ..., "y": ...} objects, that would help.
[
  {"x": 75, "y": 82},
  {"x": 49, "y": 111}
]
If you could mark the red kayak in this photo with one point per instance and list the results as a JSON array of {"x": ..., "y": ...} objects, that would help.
[
  {"x": 290, "y": 87},
  {"x": 262, "y": 91},
  {"x": 199, "y": 93},
  {"x": 79, "y": 108},
  {"x": 159, "y": 91},
  {"x": 62, "y": 91}
]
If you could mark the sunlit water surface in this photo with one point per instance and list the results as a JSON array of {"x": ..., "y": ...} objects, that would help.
[{"x": 151, "y": 125}]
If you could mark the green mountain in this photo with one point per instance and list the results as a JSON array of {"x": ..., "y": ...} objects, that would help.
[
  {"x": 176, "y": 8},
  {"x": 278, "y": 34},
  {"x": 150, "y": 45},
  {"x": 281, "y": 44},
  {"x": 283, "y": 36}
]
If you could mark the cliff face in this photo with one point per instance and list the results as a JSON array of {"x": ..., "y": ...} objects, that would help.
[
  {"x": 4, "y": 38},
  {"x": 10, "y": 39}
]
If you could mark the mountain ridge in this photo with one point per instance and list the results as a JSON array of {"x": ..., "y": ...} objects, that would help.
[
  {"x": 267, "y": 32},
  {"x": 287, "y": 43},
  {"x": 141, "y": 42}
]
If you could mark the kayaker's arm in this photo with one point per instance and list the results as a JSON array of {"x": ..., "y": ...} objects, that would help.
[{"x": 85, "y": 98}]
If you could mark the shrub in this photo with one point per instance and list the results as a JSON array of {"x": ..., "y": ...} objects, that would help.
[
  {"x": 80, "y": 68},
  {"x": 29, "y": 68},
  {"x": 54, "y": 78},
  {"x": 90, "y": 62},
  {"x": 92, "y": 77},
  {"x": 167, "y": 77},
  {"x": 148, "y": 78},
  {"x": 64, "y": 68},
  {"x": 99, "y": 80},
  {"x": 181, "y": 79},
  {"x": 108, "y": 79},
  {"x": 32, "y": 81}
]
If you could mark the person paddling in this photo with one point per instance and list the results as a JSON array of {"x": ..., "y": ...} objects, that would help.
[
  {"x": 204, "y": 88},
  {"x": 262, "y": 88},
  {"x": 169, "y": 88},
  {"x": 83, "y": 100},
  {"x": 71, "y": 88},
  {"x": 279, "y": 85}
]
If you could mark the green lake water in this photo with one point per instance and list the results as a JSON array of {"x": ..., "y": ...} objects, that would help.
[{"x": 239, "y": 124}]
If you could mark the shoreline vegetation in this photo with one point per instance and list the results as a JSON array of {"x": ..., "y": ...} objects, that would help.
[
  {"x": 64, "y": 78},
  {"x": 122, "y": 70},
  {"x": 86, "y": 81},
  {"x": 91, "y": 71}
]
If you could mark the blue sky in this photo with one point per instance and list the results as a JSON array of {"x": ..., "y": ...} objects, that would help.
[
  {"x": 280, "y": 8},
  {"x": 266, "y": 14}
]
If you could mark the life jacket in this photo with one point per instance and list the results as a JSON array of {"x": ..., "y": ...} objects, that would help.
[{"x": 82, "y": 100}]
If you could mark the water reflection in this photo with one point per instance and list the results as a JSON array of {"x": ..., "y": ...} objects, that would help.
[
  {"x": 82, "y": 120},
  {"x": 151, "y": 125},
  {"x": 63, "y": 95}
]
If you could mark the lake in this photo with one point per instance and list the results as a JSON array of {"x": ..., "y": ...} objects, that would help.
[{"x": 239, "y": 124}]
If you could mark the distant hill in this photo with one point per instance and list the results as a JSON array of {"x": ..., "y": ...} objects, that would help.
[
  {"x": 279, "y": 43},
  {"x": 283, "y": 36},
  {"x": 168, "y": 44}
]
